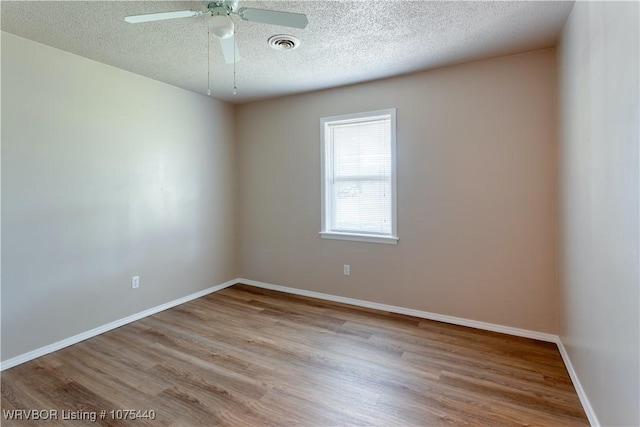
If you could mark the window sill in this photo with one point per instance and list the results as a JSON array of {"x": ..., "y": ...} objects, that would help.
[{"x": 367, "y": 238}]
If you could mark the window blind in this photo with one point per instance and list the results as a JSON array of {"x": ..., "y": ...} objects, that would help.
[{"x": 359, "y": 176}]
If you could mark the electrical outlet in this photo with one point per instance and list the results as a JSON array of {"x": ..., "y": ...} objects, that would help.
[
  {"x": 347, "y": 270},
  {"x": 135, "y": 282}
]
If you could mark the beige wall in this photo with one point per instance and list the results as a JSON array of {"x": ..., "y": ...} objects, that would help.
[
  {"x": 599, "y": 174},
  {"x": 105, "y": 175},
  {"x": 476, "y": 193}
]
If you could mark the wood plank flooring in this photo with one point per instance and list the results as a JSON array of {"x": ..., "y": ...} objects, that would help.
[{"x": 249, "y": 357}]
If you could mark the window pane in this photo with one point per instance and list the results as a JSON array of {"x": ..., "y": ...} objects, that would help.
[
  {"x": 362, "y": 149},
  {"x": 362, "y": 206}
]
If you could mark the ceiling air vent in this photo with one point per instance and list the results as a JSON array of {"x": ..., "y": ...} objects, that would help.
[{"x": 283, "y": 42}]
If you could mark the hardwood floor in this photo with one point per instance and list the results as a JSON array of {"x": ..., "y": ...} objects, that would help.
[{"x": 247, "y": 357}]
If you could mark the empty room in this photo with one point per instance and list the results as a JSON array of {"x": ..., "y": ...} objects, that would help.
[{"x": 320, "y": 213}]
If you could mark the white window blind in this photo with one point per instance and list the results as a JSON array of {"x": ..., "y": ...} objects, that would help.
[{"x": 359, "y": 176}]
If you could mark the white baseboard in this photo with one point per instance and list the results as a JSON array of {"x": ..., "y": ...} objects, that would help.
[
  {"x": 588, "y": 409},
  {"x": 10, "y": 363},
  {"x": 409, "y": 312}
]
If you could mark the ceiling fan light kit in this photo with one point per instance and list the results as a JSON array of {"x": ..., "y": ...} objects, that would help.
[{"x": 221, "y": 26}]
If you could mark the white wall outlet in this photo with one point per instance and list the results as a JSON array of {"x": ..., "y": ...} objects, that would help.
[
  {"x": 347, "y": 270},
  {"x": 135, "y": 282}
]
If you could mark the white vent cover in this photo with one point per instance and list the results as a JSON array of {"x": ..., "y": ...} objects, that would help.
[{"x": 283, "y": 42}]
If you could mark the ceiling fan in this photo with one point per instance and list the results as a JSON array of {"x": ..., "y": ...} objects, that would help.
[{"x": 222, "y": 26}]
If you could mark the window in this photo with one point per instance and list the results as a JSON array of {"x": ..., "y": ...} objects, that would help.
[{"x": 359, "y": 177}]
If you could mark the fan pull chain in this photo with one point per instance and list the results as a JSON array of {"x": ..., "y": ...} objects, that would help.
[
  {"x": 235, "y": 47},
  {"x": 208, "y": 62}
]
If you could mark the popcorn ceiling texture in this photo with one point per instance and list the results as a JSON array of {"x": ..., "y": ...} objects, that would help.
[{"x": 345, "y": 42}]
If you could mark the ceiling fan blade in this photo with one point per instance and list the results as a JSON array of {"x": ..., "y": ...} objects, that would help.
[
  {"x": 286, "y": 19},
  {"x": 136, "y": 19},
  {"x": 230, "y": 50}
]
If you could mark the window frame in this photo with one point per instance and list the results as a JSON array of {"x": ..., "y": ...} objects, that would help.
[{"x": 325, "y": 157}]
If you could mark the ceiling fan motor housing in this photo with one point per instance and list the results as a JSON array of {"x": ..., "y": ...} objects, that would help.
[{"x": 229, "y": 6}]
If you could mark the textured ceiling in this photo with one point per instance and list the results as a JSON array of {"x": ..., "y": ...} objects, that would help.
[{"x": 345, "y": 41}]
